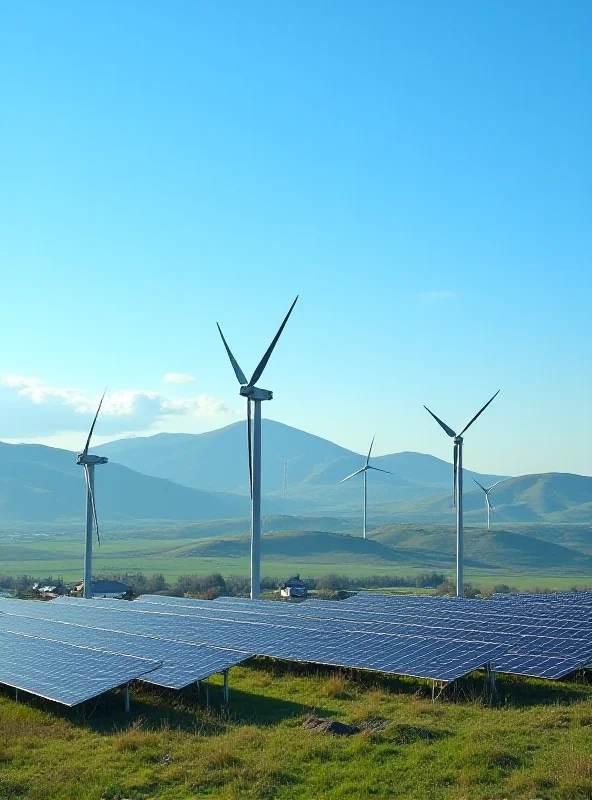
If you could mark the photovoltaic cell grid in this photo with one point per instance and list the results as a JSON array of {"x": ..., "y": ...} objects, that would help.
[
  {"x": 564, "y": 646},
  {"x": 179, "y": 664},
  {"x": 62, "y": 672},
  {"x": 324, "y": 613},
  {"x": 420, "y": 636},
  {"x": 297, "y": 640}
]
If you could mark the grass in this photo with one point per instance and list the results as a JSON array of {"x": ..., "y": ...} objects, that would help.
[
  {"x": 65, "y": 558},
  {"x": 534, "y": 744}
]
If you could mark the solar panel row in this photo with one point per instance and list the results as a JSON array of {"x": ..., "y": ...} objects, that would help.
[
  {"x": 425, "y": 657},
  {"x": 547, "y": 647},
  {"x": 326, "y": 614},
  {"x": 179, "y": 664},
  {"x": 65, "y": 673},
  {"x": 174, "y": 642}
]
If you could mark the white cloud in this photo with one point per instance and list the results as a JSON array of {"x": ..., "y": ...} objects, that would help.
[
  {"x": 31, "y": 408},
  {"x": 178, "y": 377}
]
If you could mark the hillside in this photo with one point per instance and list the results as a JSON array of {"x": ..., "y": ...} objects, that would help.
[
  {"x": 44, "y": 484},
  {"x": 497, "y": 549},
  {"x": 314, "y": 546},
  {"x": 218, "y": 461},
  {"x": 548, "y": 497}
]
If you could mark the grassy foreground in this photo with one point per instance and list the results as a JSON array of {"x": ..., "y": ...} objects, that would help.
[{"x": 537, "y": 743}]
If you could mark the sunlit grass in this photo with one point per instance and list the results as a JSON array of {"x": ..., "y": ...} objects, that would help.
[{"x": 534, "y": 743}]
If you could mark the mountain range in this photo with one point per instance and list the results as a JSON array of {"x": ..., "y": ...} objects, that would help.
[
  {"x": 218, "y": 461},
  {"x": 205, "y": 477}
]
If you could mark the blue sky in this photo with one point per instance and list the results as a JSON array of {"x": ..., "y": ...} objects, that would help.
[{"x": 419, "y": 172}]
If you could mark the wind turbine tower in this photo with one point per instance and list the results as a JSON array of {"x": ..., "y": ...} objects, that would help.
[
  {"x": 364, "y": 472},
  {"x": 89, "y": 462},
  {"x": 488, "y": 505},
  {"x": 458, "y": 488},
  {"x": 255, "y": 396}
]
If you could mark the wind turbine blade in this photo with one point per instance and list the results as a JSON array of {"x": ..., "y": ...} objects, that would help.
[
  {"x": 250, "y": 446},
  {"x": 91, "y": 494},
  {"x": 480, "y": 486},
  {"x": 455, "y": 473},
  {"x": 237, "y": 370},
  {"x": 479, "y": 413},
  {"x": 388, "y": 472},
  {"x": 357, "y": 472},
  {"x": 263, "y": 363},
  {"x": 92, "y": 427},
  {"x": 496, "y": 484},
  {"x": 443, "y": 425},
  {"x": 370, "y": 451}
]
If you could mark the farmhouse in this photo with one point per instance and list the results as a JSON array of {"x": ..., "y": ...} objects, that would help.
[
  {"x": 293, "y": 587},
  {"x": 106, "y": 589}
]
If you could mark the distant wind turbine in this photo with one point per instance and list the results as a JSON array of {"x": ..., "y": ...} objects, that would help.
[
  {"x": 488, "y": 505},
  {"x": 255, "y": 396},
  {"x": 458, "y": 488},
  {"x": 364, "y": 471},
  {"x": 89, "y": 462}
]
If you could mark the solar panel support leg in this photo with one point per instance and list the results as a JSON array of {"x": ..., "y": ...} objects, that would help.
[
  {"x": 225, "y": 673},
  {"x": 207, "y": 696},
  {"x": 490, "y": 682},
  {"x": 127, "y": 698},
  {"x": 16, "y": 695}
]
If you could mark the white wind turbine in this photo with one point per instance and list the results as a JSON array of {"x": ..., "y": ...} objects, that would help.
[
  {"x": 89, "y": 462},
  {"x": 488, "y": 505},
  {"x": 458, "y": 488},
  {"x": 364, "y": 471},
  {"x": 255, "y": 396}
]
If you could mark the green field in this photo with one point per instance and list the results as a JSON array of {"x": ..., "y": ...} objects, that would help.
[
  {"x": 64, "y": 557},
  {"x": 533, "y": 743}
]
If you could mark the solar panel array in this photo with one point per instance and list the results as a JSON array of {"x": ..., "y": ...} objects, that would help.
[
  {"x": 540, "y": 642},
  {"x": 173, "y": 642},
  {"x": 65, "y": 673},
  {"x": 549, "y": 648}
]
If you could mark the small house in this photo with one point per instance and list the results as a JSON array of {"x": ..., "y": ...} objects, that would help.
[
  {"x": 48, "y": 591},
  {"x": 293, "y": 587},
  {"x": 106, "y": 589}
]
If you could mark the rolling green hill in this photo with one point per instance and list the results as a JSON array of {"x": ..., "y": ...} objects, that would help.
[
  {"x": 548, "y": 497},
  {"x": 497, "y": 549},
  {"x": 314, "y": 546},
  {"x": 414, "y": 546}
]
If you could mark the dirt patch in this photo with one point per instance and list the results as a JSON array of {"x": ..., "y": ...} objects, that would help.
[{"x": 318, "y": 725}]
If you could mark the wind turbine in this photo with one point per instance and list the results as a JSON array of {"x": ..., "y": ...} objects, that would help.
[
  {"x": 364, "y": 471},
  {"x": 488, "y": 505},
  {"x": 89, "y": 462},
  {"x": 458, "y": 488},
  {"x": 255, "y": 396}
]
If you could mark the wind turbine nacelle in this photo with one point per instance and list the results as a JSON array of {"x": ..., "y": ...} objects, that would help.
[
  {"x": 89, "y": 459},
  {"x": 254, "y": 393}
]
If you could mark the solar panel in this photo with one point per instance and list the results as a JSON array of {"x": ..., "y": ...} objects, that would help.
[
  {"x": 422, "y": 640},
  {"x": 181, "y": 664},
  {"x": 542, "y": 642},
  {"x": 536, "y": 666},
  {"x": 416, "y": 656},
  {"x": 64, "y": 673},
  {"x": 527, "y": 638}
]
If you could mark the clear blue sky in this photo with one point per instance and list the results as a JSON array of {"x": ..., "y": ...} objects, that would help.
[{"x": 419, "y": 172}]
